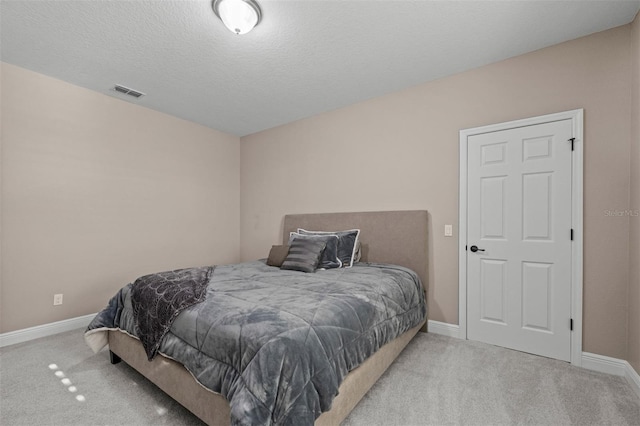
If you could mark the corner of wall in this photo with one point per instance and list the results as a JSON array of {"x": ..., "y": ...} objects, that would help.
[
  {"x": 633, "y": 327},
  {"x": 1, "y": 190}
]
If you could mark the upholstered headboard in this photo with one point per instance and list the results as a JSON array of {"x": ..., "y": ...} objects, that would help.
[{"x": 397, "y": 237}]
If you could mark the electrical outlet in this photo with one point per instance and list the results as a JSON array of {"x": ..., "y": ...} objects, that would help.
[
  {"x": 57, "y": 299},
  {"x": 448, "y": 230}
]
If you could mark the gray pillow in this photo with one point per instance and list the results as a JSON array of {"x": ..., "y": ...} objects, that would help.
[
  {"x": 329, "y": 259},
  {"x": 304, "y": 255},
  {"x": 277, "y": 255},
  {"x": 347, "y": 243}
]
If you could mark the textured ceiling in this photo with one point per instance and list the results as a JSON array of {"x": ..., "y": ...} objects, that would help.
[{"x": 305, "y": 57}]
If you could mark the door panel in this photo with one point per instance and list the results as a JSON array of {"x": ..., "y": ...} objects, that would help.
[
  {"x": 536, "y": 296},
  {"x": 536, "y": 206},
  {"x": 519, "y": 213},
  {"x": 494, "y": 208},
  {"x": 493, "y": 288}
]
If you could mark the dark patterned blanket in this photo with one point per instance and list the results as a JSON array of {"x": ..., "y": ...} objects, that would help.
[
  {"x": 157, "y": 300},
  {"x": 277, "y": 344}
]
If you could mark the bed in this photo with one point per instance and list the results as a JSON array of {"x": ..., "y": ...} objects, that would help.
[{"x": 390, "y": 238}]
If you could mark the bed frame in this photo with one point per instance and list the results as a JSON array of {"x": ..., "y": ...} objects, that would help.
[{"x": 398, "y": 237}]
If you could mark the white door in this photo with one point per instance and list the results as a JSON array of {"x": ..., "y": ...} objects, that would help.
[{"x": 518, "y": 258}]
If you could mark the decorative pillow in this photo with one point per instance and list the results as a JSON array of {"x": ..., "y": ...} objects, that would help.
[
  {"x": 347, "y": 243},
  {"x": 304, "y": 255},
  {"x": 277, "y": 254},
  {"x": 329, "y": 259}
]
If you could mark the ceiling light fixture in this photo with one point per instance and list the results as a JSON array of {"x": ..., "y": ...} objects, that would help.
[{"x": 240, "y": 16}]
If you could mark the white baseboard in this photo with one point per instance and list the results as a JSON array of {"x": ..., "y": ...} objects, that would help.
[
  {"x": 604, "y": 364},
  {"x": 26, "y": 334},
  {"x": 446, "y": 329},
  {"x": 618, "y": 367}
]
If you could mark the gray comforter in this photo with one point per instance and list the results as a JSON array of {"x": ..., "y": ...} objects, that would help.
[{"x": 277, "y": 344}]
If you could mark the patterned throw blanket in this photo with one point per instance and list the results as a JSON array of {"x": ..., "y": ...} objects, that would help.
[{"x": 157, "y": 300}]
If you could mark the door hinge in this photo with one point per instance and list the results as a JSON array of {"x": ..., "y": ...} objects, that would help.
[
  {"x": 572, "y": 140},
  {"x": 571, "y": 324},
  {"x": 571, "y": 234}
]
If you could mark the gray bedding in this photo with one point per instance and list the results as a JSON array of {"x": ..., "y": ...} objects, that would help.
[{"x": 277, "y": 344}]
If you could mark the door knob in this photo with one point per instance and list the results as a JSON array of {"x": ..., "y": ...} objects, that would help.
[{"x": 475, "y": 249}]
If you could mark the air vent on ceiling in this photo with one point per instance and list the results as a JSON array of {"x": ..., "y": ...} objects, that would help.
[{"x": 127, "y": 91}]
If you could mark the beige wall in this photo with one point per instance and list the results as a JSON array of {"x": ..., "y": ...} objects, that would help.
[
  {"x": 634, "y": 203},
  {"x": 97, "y": 191},
  {"x": 400, "y": 151}
]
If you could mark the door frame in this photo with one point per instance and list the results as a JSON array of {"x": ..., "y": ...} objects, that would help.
[{"x": 577, "y": 118}]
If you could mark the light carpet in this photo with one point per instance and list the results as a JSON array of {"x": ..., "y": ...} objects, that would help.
[{"x": 57, "y": 380}]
